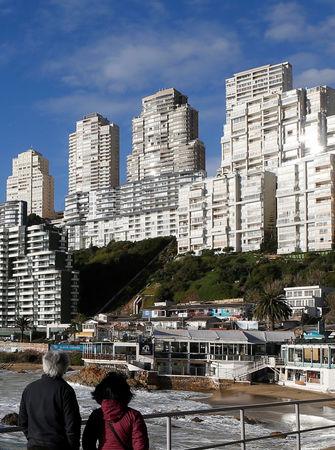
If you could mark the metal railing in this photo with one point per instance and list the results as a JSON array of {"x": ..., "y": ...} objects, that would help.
[{"x": 244, "y": 440}]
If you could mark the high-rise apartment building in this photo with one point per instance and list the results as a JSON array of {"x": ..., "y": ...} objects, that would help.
[
  {"x": 13, "y": 213},
  {"x": 306, "y": 205},
  {"x": 37, "y": 280},
  {"x": 249, "y": 84},
  {"x": 165, "y": 137},
  {"x": 167, "y": 154},
  {"x": 30, "y": 182},
  {"x": 273, "y": 134},
  {"x": 232, "y": 210},
  {"x": 133, "y": 211},
  {"x": 268, "y": 124},
  {"x": 94, "y": 150}
]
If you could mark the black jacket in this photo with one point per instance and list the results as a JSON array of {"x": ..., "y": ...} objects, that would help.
[{"x": 49, "y": 413}]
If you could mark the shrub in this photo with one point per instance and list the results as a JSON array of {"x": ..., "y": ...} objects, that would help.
[{"x": 75, "y": 359}]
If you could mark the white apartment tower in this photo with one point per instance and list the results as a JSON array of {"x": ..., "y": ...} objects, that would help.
[
  {"x": 273, "y": 135},
  {"x": 231, "y": 210},
  {"x": 30, "y": 182},
  {"x": 165, "y": 137},
  {"x": 252, "y": 83},
  {"x": 94, "y": 154}
]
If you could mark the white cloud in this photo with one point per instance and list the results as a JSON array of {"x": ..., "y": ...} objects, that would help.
[
  {"x": 316, "y": 77},
  {"x": 288, "y": 22},
  {"x": 138, "y": 58},
  {"x": 80, "y": 103}
]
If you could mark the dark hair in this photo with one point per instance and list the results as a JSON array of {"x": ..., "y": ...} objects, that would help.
[{"x": 114, "y": 386}]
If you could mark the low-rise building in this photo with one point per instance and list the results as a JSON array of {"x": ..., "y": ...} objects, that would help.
[
  {"x": 227, "y": 309},
  {"x": 218, "y": 353},
  {"x": 309, "y": 365},
  {"x": 307, "y": 300}
]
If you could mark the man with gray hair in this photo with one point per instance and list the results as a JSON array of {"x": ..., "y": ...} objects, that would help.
[{"x": 49, "y": 411}]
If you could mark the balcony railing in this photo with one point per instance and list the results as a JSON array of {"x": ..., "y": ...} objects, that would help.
[{"x": 243, "y": 440}]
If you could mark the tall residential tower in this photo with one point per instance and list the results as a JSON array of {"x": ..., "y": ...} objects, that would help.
[
  {"x": 94, "y": 154},
  {"x": 165, "y": 137},
  {"x": 30, "y": 182}
]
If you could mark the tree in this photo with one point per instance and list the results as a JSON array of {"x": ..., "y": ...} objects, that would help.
[
  {"x": 192, "y": 296},
  {"x": 23, "y": 323},
  {"x": 271, "y": 305},
  {"x": 34, "y": 219},
  {"x": 77, "y": 324}
]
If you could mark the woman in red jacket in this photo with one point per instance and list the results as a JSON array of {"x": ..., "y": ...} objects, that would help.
[{"x": 115, "y": 426}]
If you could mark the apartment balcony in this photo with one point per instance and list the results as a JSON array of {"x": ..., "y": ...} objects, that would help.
[{"x": 196, "y": 233}]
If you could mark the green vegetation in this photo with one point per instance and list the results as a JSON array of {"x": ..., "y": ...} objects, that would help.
[
  {"x": 231, "y": 275},
  {"x": 21, "y": 357},
  {"x": 270, "y": 305},
  {"x": 207, "y": 277},
  {"x": 34, "y": 219},
  {"x": 75, "y": 359},
  {"x": 34, "y": 357},
  {"x": 105, "y": 271},
  {"x": 23, "y": 324}
]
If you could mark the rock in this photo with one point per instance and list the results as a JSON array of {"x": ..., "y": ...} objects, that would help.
[
  {"x": 88, "y": 376},
  {"x": 196, "y": 419},
  {"x": 10, "y": 419},
  {"x": 274, "y": 434},
  {"x": 251, "y": 420}
]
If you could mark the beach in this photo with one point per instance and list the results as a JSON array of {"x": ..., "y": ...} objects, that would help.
[{"x": 243, "y": 393}]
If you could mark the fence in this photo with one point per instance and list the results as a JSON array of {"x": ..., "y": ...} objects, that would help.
[{"x": 244, "y": 440}]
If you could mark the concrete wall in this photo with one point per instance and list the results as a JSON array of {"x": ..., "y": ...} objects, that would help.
[
  {"x": 22, "y": 346},
  {"x": 182, "y": 383}
]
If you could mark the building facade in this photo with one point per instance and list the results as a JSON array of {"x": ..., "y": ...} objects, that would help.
[
  {"x": 309, "y": 365},
  {"x": 94, "y": 150},
  {"x": 13, "y": 213},
  {"x": 37, "y": 280},
  {"x": 277, "y": 172},
  {"x": 133, "y": 211},
  {"x": 232, "y": 210},
  {"x": 165, "y": 137},
  {"x": 308, "y": 300},
  {"x": 30, "y": 182}
]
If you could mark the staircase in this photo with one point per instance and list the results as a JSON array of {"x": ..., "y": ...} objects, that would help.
[{"x": 267, "y": 362}]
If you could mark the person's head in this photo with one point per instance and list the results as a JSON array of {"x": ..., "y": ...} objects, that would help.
[
  {"x": 55, "y": 363},
  {"x": 114, "y": 386}
]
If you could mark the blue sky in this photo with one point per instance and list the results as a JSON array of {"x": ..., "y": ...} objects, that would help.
[{"x": 61, "y": 59}]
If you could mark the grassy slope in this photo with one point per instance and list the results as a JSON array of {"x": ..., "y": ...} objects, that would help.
[{"x": 207, "y": 277}]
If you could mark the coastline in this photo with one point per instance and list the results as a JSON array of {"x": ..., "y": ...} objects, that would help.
[
  {"x": 232, "y": 394},
  {"x": 244, "y": 394}
]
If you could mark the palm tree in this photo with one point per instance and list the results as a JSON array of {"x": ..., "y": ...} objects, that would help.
[
  {"x": 23, "y": 323},
  {"x": 270, "y": 305}
]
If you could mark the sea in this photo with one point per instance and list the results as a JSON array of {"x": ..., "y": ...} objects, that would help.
[{"x": 187, "y": 433}]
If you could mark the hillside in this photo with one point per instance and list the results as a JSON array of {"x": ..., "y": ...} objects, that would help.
[
  {"x": 213, "y": 277},
  {"x": 104, "y": 271},
  {"x": 208, "y": 277}
]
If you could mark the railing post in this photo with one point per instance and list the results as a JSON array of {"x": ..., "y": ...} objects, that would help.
[
  {"x": 297, "y": 417},
  {"x": 168, "y": 434},
  {"x": 243, "y": 446}
]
